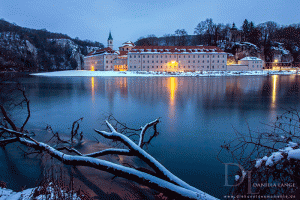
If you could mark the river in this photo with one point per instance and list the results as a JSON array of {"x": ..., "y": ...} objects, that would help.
[{"x": 197, "y": 113}]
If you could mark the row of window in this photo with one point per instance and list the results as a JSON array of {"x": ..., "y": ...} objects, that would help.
[
  {"x": 188, "y": 56},
  {"x": 178, "y": 67},
  {"x": 188, "y": 61}
]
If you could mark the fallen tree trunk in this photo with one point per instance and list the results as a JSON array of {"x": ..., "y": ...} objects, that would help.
[{"x": 161, "y": 180}]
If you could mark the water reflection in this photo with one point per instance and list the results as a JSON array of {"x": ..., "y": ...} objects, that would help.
[
  {"x": 121, "y": 83},
  {"x": 274, "y": 86},
  {"x": 197, "y": 112},
  {"x": 93, "y": 89},
  {"x": 172, "y": 86}
]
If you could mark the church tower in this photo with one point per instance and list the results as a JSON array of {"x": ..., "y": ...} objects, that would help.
[{"x": 110, "y": 41}]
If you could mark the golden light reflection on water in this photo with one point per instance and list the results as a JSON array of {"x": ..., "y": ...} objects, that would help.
[
  {"x": 172, "y": 86},
  {"x": 93, "y": 89},
  {"x": 274, "y": 91}
]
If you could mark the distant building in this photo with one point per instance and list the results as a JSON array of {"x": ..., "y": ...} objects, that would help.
[
  {"x": 100, "y": 60},
  {"x": 253, "y": 63},
  {"x": 110, "y": 41},
  {"x": 247, "y": 64},
  {"x": 235, "y": 35},
  {"x": 155, "y": 58},
  {"x": 176, "y": 58},
  {"x": 107, "y": 59}
]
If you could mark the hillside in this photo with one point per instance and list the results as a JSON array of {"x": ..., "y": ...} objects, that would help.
[{"x": 24, "y": 49}]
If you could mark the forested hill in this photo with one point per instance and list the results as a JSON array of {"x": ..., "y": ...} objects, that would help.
[
  {"x": 268, "y": 41},
  {"x": 25, "y": 49}
]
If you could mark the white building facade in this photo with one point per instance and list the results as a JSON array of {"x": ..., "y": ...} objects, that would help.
[
  {"x": 253, "y": 63},
  {"x": 176, "y": 58},
  {"x": 100, "y": 60}
]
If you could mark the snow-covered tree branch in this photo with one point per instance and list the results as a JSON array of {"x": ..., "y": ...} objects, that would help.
[
  {"x": 271, "y": 157},
  {"x": 162, "y": 180}
]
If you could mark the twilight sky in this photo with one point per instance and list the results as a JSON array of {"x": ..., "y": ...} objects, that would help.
[{"x": 131, "y": 19}]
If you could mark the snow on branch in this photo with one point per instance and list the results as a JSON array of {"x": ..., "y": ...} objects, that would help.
[
  {"x": 155, "y": 182},
  {"x": 136, "y": 150},
  {"x": 144, "y": 129},
  {"x": 124, "y": 152}
]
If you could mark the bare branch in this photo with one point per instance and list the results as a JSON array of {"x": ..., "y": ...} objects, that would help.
[
  {"x": 4, "y": 142},
  {"x": 136, "y": 150},
  {"x": 28, "y": 109},
  {"x": 125, "y": 152},
  {"x": 70, "y": 150},
  {"x": 18, "y": 134},
  {"x": 6, "y": 118},
  {"x": 144, "y": 129},
  {"x": 112, "y": 129},
  {"x": 118, "y": 170}
]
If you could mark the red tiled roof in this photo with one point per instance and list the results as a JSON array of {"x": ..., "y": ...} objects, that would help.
[{"x": 177, "y": 49}]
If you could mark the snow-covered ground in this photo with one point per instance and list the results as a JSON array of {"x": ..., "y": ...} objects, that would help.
[
  {"x": 7, "y": 194},
  {"x": 153, "y": 73}
]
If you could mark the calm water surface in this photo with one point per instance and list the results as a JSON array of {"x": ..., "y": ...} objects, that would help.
[{"x": 197, "y": 113}]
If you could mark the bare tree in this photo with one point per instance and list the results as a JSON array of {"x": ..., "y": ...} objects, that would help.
[{"x": 270, "y": 157}]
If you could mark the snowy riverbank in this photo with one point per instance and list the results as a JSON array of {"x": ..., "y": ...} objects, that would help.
[
  {"x": 8, "y": 194},
  {"x": 145, "y": 73}
]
